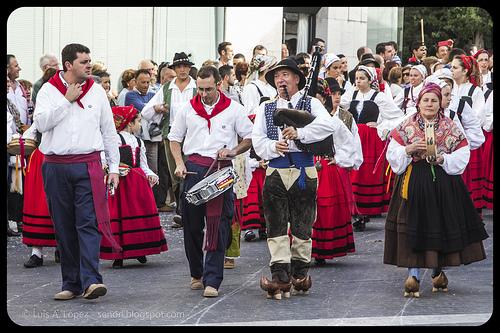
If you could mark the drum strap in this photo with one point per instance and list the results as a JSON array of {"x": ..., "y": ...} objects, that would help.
[{"x": 213, "y": 207}]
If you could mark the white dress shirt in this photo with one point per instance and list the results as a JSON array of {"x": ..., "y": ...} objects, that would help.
[
  {"x": 389, "y": 114},
  {"x": 131, "y": 140},
  {"x": 224, "y": 129},
  {"x": 68, "y": 129},
  {"x": 322, "y": 126},
  {"x": 121, "y": 97},
  {"x": 177, "y": 102},
  {"x": 251, "y": 96},
  {"x": 11, "y": 127},
  {"x": 17, "y": 98},
  {"x": 454, "y": 163}
]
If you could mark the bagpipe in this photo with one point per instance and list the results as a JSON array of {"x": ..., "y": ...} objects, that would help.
[{"x": 299, "y": 118}]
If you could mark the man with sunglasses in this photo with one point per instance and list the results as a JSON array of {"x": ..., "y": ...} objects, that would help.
[{"x": 208, "y": 126}]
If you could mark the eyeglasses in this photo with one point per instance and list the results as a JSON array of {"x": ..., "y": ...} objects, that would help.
[
  {"x": 406, "y": 74},
  {"x": 207, "y": 90}
]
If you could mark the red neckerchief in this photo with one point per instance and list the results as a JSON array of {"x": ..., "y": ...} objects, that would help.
[
  {"x": 57, "y": 82},
  {"x": 219, "y": 107}
]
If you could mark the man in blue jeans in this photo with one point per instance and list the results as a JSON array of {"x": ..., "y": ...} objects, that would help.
[{"x": 76, "y": 121}]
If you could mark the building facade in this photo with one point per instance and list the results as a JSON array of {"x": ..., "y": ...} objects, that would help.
[{"x": 122, "y": 36}]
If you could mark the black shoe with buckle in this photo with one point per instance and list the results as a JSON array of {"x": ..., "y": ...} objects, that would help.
[
  {"x": 117, "y": 263},
  {"x": 249, "y": 236},
  {"x": 142, "y": 259},
  {"x": 262, "y": 235},
  {"x": 33, "y": 261},
  {"x": 177, "y": 221}
]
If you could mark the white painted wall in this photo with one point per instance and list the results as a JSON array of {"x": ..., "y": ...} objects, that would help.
[
  {"x": 120, "y": 37},
  {"x": 247, "y": 27},
  {"x": 345, "y": 29}
]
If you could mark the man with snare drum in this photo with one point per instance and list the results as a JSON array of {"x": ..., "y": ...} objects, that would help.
[{"x": 209, "y": 125}]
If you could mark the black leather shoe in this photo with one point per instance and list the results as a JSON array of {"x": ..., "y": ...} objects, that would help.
[
  {"x": 177, "y": 221},
  {"x": 249, "y": 236},
  {"x": 320, "y": 262},
  {"x": 142, "y": 259},
  {"x": 262, "y": 235},
  {"x": 57, "y": 256},
  {"x": 118, "y": 263},
  {"x": 33, "y": 261}
]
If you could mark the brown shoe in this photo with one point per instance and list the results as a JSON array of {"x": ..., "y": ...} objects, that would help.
[
  {"x": 95, "y": 290},
  {"x": 412, "y": 287},
  {"x": 229, "y": 263},
  {"x": 196, "y": 284},
  {"x": 440, "y": 282},
  {"x": 210, "y": 292},
  {"x": 64, "y": 295}
]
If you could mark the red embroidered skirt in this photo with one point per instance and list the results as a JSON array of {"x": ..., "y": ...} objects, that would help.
[
  {"x": 488, "y": 170},
  {"x": 135, "y": 222},
  {"x": 253, "y": 214},
  {"x": 38, "y": 228},
  {"x": 332, "y": 231},
  {"x": 370, "y": 189},
  {"x": 473, "y": 177}
]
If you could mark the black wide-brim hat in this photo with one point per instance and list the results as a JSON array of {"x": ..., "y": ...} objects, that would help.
[
  {"x": 334, "y": 85},
  {"x": 180, "y": 59},
  {"x": 368, "y": 59},
  {"x": 287, "y": 63}
]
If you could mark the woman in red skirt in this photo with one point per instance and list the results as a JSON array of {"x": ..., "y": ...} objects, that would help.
[
  {"x": 487, "y": 152},
  {"x": 332, "y": 231},
  {"x": 253, "y": 215},
  {"x": 375, "y": 115},
  {"x": 467, "y": 90},
  {"x": 38, "y": 228},
  {"x": 135, "y": 222}
]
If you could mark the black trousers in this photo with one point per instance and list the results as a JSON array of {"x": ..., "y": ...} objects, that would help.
[{"x": 193, "y": 219}]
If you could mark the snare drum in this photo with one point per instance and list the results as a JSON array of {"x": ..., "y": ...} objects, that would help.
[
  {"x": 14, "y": 146},
  {"x": 212, "y": 186}
]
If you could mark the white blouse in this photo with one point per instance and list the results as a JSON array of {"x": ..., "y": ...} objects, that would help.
[
  {"x": 454, "y": 163},
  {"x": 131, "y": 140},
  {"x": 488, "y": 114},
  {"x": 389, "y": 114},
  {"x": 477, "y": 97},
  {"x": 251, "y": 96},
  {"x": 357, "y": 155}
]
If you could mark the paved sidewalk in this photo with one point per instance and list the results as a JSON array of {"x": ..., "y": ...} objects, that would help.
[{"x": 354, "y": 290}]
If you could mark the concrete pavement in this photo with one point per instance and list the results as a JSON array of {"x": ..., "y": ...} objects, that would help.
[{"x": 354, "y": 290}]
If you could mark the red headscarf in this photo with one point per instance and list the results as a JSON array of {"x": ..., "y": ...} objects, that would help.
[
  {"x": 469, "y": 66},
  {"x": 57, "y": 82},
  {"x": 480, "y": 52},
  {"x": 123, "y": 115},
  {"x": 448, "y": 43}
]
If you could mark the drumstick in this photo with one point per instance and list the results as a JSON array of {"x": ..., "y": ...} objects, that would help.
[{"x": 191, "y": 173}]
